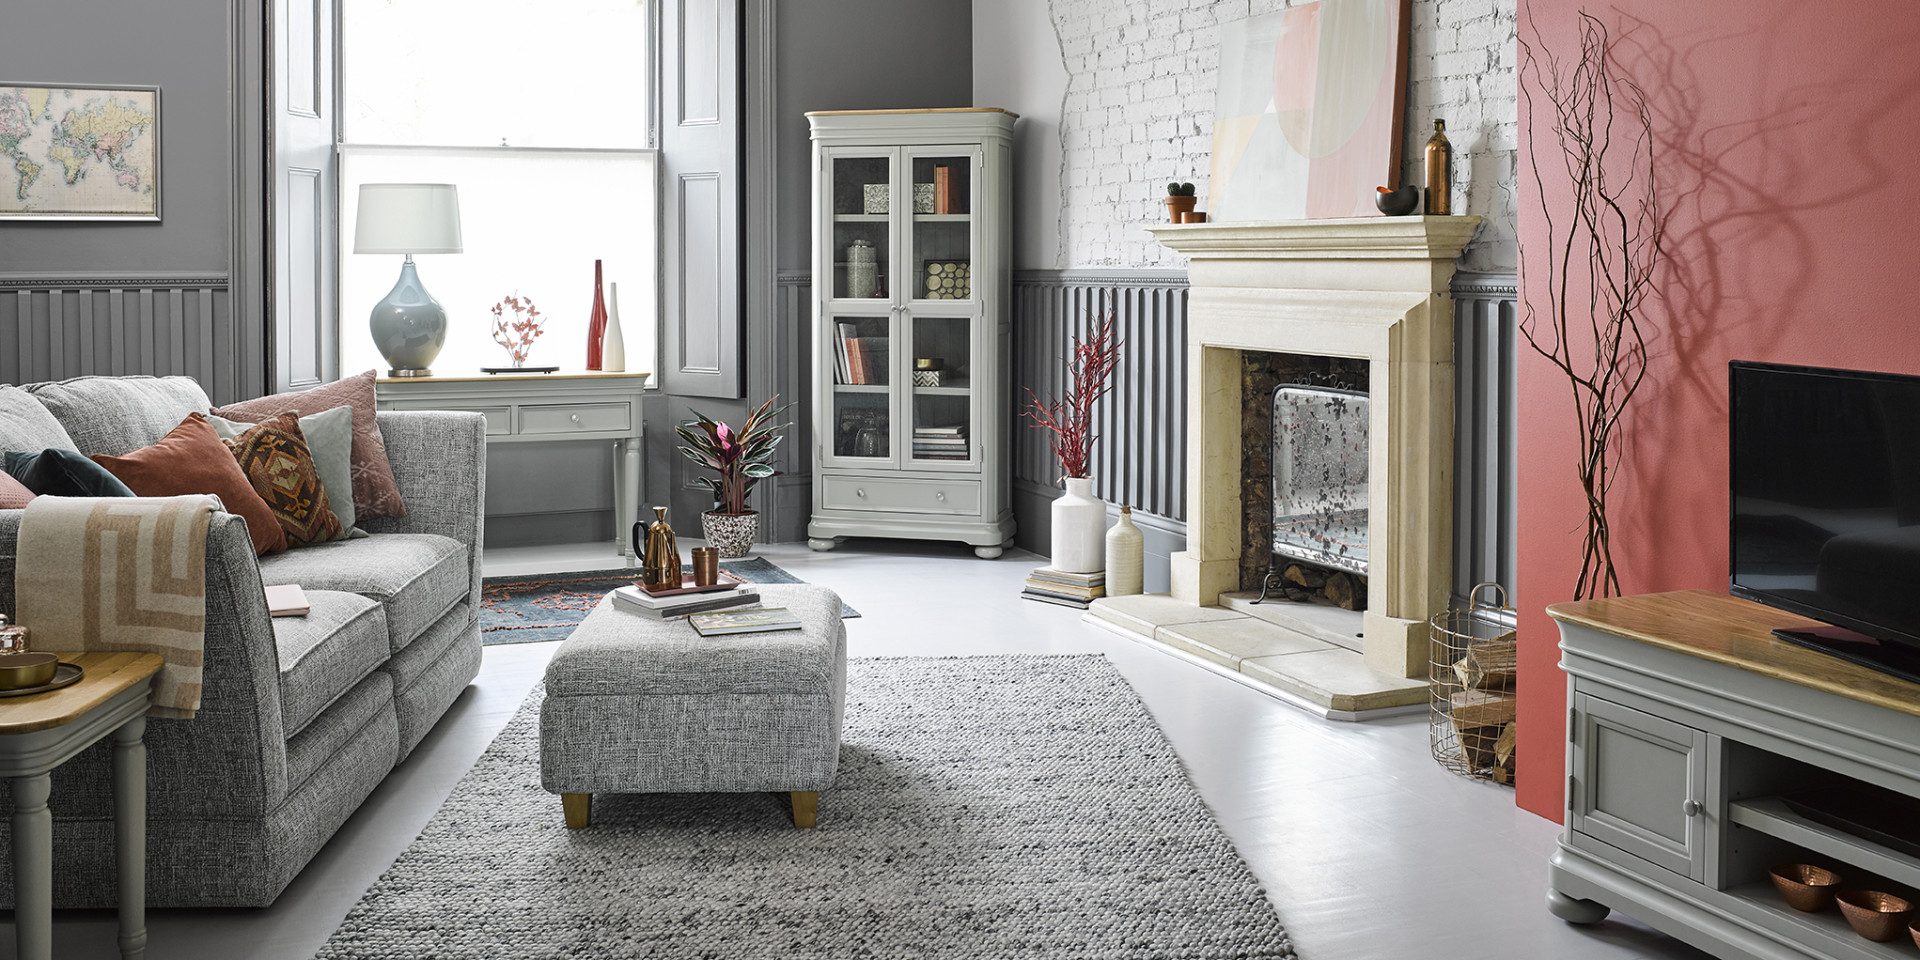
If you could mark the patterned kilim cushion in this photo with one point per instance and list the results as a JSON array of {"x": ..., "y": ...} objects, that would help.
[{"x": 275, "y": 458}]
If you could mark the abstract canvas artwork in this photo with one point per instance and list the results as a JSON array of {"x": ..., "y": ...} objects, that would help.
[{"x": 1308, "y": 114}]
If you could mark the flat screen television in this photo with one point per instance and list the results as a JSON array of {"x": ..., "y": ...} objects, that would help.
[{"x": 1825, "y": 468}]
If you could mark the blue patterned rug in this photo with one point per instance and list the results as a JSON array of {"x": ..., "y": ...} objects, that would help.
[{"x": 547, "y": 606}]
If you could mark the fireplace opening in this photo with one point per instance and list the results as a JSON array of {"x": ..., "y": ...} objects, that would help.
[{"x": 1305, "y": 456}]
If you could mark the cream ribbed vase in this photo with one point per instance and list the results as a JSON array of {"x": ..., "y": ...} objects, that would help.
[
  {"x": 613, "y": 350},
  {"x": 1079, "y": 529},
  {"x": 1126, "y": 547}
]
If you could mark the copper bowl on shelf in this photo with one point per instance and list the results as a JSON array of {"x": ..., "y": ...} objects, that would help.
[
  {"x": 1875, "y": 915},
  {"x": 19, "y": 670},
  {"x": 1806, "y": 886}
]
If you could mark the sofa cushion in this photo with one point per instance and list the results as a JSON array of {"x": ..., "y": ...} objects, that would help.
[
  {"x": 26, "y": 424},
  {"x": 13, "y": 496},
  {"x": 54, "y": 472},
  {"x": 341, "y": 640},
  {"x": 191, "y": 459},
  {"x": 417, "y": 576},
  {"x": 329, "y": 436},
  {"x": 375, "y": 491},
  {"x": 274, "y": 456},
  {"x": 118, "y": 414}
]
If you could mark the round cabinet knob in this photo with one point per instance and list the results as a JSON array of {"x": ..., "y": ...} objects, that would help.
[
  {"x": 575, "y": 418},
  {"x": 1691, "y": 808},
  {"x": 940, "y": 495},
  {"x": 859, "y": 492}
]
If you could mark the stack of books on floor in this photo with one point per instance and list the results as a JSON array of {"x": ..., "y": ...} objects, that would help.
[
  {"x": 1048, "y": 585},
  {"x": 634, "y": 600},
  {"x": 940, "y": 443}
]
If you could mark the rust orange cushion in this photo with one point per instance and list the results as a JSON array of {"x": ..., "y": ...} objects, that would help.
[
  {"x": 13, "y": 494},
  {"x": 191, "y": 459},
  {"x": 274, "y": 456},
  {"x": 375, "y": 492}
]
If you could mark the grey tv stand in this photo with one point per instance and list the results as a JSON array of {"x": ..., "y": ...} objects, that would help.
[{"x": 1688, "y": 721}]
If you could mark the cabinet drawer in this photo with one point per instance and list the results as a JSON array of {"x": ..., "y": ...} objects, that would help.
[
  {"x": 565, "y": 418},
  {"x": 1639, "y": 784},
  {"x": 900, "y": 496}
]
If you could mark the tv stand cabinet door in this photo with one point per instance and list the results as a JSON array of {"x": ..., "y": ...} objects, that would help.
[{"x": 1639, "y": 785}]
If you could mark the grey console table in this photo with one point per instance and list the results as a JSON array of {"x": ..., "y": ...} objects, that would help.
[
  {"x": 44, "y": 730},
  {"x": 534, "y": 407},
  {"x": 1689, "y": 724}
]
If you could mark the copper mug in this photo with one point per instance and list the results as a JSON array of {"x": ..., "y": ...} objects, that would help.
[{"x": 706, "y": 566}]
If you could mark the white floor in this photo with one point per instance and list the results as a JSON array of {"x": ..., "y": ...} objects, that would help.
[{"x": 1366, "y": 846}]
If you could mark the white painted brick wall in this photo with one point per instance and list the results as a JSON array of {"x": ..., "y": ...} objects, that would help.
[{"x": 1139, "y": 112}]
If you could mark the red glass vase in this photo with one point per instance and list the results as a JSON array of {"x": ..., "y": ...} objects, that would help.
[{"x": 597, "y": 324}]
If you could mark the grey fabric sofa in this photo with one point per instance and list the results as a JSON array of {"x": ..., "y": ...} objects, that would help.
[{"x": 300, "y": 718}]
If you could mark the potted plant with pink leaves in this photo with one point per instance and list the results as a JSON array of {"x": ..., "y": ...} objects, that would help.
[{"x": 739, "y": 459}]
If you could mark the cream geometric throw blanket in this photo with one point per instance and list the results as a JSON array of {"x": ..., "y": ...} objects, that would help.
[{"x": 118, "y": 573}]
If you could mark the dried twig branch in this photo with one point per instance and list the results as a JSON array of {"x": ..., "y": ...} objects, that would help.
[
  {"x": 1604, "y": 245},
  {"x": 1069, "y": 419}
]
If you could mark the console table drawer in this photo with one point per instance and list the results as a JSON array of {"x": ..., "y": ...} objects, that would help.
[
  {"x": 575, "y": 417},
  {"x": 905, "y": 496}
]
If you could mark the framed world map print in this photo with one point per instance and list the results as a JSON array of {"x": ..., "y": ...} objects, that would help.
[{"x": 79, "y": 153}]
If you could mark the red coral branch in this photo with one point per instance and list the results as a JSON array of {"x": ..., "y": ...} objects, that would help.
[{"x": 1069, "y": 419}]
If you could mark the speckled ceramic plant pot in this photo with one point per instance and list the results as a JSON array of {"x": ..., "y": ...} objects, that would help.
[{"x": 732, "y": 533}]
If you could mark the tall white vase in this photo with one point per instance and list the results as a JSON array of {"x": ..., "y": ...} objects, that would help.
[
  {"x": 1079, "y": 529},
  {"x": 1126, "y": 549},
  {"x": 613, "y": 350}
]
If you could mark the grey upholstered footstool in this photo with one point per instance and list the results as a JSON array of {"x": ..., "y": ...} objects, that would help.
[{"x": 636, "y": 705}]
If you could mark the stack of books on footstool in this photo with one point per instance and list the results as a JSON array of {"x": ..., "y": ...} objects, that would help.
[{"x": 1049, "y": 585}]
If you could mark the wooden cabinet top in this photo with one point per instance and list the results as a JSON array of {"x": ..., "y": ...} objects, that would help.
[
  {"x": 106, "y": 675},
  {"x": 514, "y": 377},
  {"x": 1724, "y": 629}
]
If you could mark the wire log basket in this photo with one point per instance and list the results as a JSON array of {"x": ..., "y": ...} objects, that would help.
[{"x": 1471, "y": 669}]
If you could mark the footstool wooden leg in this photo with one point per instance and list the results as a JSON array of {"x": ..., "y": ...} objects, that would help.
[
  {"x": 578, "y": 807},
  {"x": 806, "y": 805}
]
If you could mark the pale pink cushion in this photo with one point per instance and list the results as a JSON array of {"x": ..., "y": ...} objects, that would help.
[{"x": 13, "y": 496}]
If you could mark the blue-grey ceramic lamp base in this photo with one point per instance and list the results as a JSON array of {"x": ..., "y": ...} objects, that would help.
[{"x": 409, "y": 326}]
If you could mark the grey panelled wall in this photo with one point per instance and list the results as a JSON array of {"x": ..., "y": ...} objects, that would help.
[
  {"x": 1140, "y": 456},
  {"x": 1485, "y": 333},
  {"x": 54, "y": 330}
]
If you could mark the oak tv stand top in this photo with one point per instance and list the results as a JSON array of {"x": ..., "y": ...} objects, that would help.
[{"x": 1738, "y": 633}]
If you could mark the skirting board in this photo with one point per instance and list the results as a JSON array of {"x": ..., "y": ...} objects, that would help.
[{"x": 1291, "y": 699}]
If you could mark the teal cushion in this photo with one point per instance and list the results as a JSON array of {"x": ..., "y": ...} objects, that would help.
[{"x": 63, "y": 473}]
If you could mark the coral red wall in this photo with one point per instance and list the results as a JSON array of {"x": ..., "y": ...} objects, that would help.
[{"x": 1789, "y": 133}]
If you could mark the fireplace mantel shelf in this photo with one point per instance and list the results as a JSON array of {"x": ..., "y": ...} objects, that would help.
[{"x": 1354, "y": 238}]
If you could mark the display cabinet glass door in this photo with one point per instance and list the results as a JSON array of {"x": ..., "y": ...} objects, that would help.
[
  {"x": 860, "y": 237},
  {"x": 940, "y": 242},
  {"x": 942, "y": 391},
  {"x": 860, "y": 363}
]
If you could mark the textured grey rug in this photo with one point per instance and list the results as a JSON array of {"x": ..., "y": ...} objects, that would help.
[{"x": 990, "y": 807}]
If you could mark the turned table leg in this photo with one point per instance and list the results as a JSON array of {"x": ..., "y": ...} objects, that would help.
[
  {"x": 130, "y": 833},
  {"x": 32, "y": 868},
  {"x": 578, "y": 808},
  {"x": 806, "y": 805}
]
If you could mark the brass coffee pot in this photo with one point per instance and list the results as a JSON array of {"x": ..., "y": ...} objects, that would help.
[{"x": 660, "y": 557}]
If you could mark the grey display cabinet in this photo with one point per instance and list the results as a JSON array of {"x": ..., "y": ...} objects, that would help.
[
  {"x": 912, "y": 227},
  {"x": 1688, "y": 724}
]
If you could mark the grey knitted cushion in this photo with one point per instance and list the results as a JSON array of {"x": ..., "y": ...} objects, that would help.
[
  {"x": 27, "y": 426},
  {"x": 114, "y": 415},
  {"x": 615, "y": 652},
  {"x": 415, "y": 576}
]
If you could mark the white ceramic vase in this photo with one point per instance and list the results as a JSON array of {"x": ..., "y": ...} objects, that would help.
[
  {"x": 1079, "y": 529},
  {"x": 1126, "y": 547},
  {"x": 613, "y": 349}
]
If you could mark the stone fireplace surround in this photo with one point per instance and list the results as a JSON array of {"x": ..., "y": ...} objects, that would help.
[{"x": 1372, "y": 288}]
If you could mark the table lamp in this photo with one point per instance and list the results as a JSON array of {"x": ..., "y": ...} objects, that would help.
[{"x": 409, "y": 326}]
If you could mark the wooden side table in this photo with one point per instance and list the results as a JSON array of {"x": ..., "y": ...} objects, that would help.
[
  {"x": 45, "y": 730},
  {"x": 536, "y": 408}
]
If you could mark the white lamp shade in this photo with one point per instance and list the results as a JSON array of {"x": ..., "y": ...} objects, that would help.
[{"x": 407, "y": 218}]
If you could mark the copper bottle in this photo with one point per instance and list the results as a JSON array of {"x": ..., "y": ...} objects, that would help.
[
  {"x": 660, "y": 563},
  {"x": 1439, "y": 171}
]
